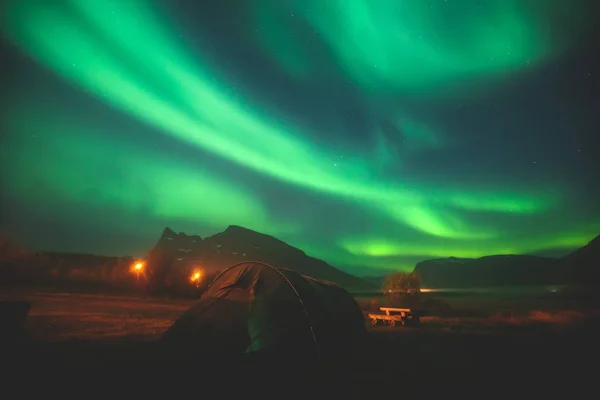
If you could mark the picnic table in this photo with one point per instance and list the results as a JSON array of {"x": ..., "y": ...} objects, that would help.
[{"x": 396, "y": 316}]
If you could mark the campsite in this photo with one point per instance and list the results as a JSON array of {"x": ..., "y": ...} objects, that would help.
[
  {"x": 337, "y": 199},
  {"x": 74, "y": 330}
]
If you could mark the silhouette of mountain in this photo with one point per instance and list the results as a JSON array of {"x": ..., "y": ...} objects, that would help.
[
  {"x": 236, "y": 244},
  {"x": 80, "y": 260},
  {"x": 580, "y": 267},
  {"x": 497, "y": 270},
  {"x": 375, "y": 280},
  {"x": 11, "y": 251},
  {"x": 584, "y": 263}
]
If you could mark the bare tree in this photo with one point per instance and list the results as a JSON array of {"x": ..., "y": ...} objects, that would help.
[{"x": 402, "y": 283}]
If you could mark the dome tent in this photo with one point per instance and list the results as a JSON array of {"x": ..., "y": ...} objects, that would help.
[{"x": 255, "y": 309}]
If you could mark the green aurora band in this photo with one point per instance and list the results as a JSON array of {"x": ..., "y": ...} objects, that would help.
[
  {"x": 130, "y": 57},
  {"x": 435, "y": 42}
]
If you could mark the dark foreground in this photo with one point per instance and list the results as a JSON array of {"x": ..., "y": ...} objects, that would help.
[{"x": 97, "y": 343}]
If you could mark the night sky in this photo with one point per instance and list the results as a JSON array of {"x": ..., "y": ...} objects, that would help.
[{"x": 369, "y": 133}]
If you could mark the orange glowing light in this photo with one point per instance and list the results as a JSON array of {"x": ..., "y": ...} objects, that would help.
[
  {"x": 196, "y": 276},
  {"x": 137, "y": 269}
]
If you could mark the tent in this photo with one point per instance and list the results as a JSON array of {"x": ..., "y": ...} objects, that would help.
[{"x": 254, "y": 309}]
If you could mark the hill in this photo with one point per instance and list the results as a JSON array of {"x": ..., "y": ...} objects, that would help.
[
  {"x": 80, "y": 260},
  {"x": 375, "y": 280},
  {"x": 181, "y": 252},
  {"x": 584, "y": 263},
  {"x": 580, "y": 267},
  {"x": 497, "y": 270}
]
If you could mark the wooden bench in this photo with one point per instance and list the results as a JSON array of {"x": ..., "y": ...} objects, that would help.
[{"x": 396, "y": 316}]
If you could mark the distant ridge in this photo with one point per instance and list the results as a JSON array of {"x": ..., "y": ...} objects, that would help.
[
  {"x": 584, "y": 263},
  {"x": 580, "y": 267},
  {"x": 237, "y": 244}
]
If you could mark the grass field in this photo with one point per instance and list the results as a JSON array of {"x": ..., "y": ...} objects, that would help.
[
  {"x": 64, "y": 316},
  {"x": 79, "y": 330}
]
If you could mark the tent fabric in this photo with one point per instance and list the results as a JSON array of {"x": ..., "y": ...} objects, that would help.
[{"x": 255, "y": 309}]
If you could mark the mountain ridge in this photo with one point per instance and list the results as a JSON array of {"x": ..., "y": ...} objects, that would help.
[
  {"x": 236, "y": 244},
  {"x": 582, "y": 266},
  {"x": 179, "y": 251}
]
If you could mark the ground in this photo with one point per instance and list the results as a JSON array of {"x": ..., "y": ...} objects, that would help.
[
  {"x": 58, "y": 317},
  {"x": 80, "y": 329}
]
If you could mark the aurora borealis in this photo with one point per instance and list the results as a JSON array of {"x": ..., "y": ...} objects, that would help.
[{"x": 372, "y": 134}]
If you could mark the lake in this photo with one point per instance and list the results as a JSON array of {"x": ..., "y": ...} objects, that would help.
[{"x": 530, "y": 297}]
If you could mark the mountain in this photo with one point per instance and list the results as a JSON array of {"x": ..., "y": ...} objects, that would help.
[
  {"x": 375, "y": 280},
  {"x": 11, "y": 252},
  {"x": 497, "y": 270},
  {"x": 79, "y": 260},
  {"x": 584, "y": 263},
  {"x": 580, "y": 267},
  {"x": 237, "y": 244}
]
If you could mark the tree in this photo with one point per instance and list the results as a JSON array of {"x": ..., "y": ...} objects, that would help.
[
  {"x": 403, "y": 289},
  {"x": 402, "y": 283},
  {"x": 158, "y": 268}
]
